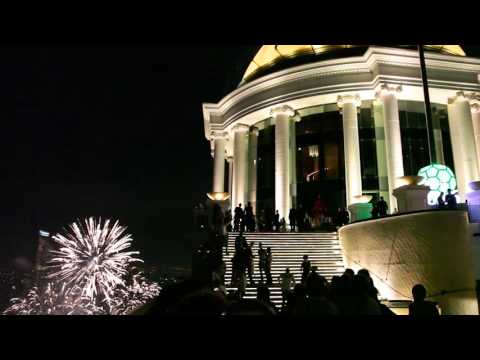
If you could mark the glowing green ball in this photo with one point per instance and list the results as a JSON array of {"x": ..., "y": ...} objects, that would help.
[{"x": 439, "y": 178}]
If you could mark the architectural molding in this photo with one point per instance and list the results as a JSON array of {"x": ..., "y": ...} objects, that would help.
[
  {"x": 282, "y": 110},
  {"x": 241, "y": 128},
  {"x": 386, "y": 88},
  {"x": 349, "y": 99}
]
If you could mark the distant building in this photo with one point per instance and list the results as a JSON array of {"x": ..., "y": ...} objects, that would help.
[{"x": 43, "y": 256}]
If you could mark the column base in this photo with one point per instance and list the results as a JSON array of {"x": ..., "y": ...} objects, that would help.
[
  {"x": 360, "y": 211},
  {"x": 411, "y": 198}
]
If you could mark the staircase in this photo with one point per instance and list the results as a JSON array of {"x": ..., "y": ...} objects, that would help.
[{"x": 323, "y": 250}]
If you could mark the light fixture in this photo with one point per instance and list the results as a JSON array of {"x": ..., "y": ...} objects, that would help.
[
  {"x": 218, "y": 196},
  {"x": 439, "y": 178}
]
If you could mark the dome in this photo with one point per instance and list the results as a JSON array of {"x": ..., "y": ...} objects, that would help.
[{"x": 270, "y": 55}]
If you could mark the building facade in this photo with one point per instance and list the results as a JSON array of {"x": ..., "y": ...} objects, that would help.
[{"x": 341, "y": 121}]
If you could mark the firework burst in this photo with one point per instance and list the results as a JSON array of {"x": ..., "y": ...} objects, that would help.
[{"x": 92, "y": 256}]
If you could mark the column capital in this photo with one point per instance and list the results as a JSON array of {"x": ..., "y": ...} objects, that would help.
[
  {"x": 229, "y": 159},
  {"x": 349, "y": 99},
  {"x": 254, "y": 130},
  {"x": 297, "y": 118},
  {"x": 282, "y": 110},
  {"x": 215, "y": 135},
  {"x": 475, "y": 107},
  {"x": 474, "y": 99},
  {"x": 241, "y": 128},
  {"x": 386, "y": 89},
  {"x": 459, "y": 97}
]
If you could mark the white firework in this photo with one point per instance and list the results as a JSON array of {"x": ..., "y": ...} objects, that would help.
[
  {"x": 93, "y": 258},
  {"x": 53, "y": 301},
  {"x": 134, "y": 296}
]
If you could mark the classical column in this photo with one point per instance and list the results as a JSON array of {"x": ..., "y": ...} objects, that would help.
[
  {"x": 381, "y": 151},
  {"x": 230, "y": 178},
  {"x": 293, "y": 161},
  {"x": 463, "y": 142},
  {"x": 353, "y": 175},
  {"x": 219, "y": 141},
  {"x": 475, "y": 106},
  {"x": 282, "y": 116},
  {"x": 393, "y": 140},
  {"x": 252, "y": 171},
  {"x": 240, "y": 165}
]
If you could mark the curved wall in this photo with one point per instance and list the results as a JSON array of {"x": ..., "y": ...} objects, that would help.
[{"x": 433, "y": 248}]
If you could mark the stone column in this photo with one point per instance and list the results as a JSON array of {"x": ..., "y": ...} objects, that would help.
[
  {"x": 230, "y": 178},
  {"x": 463, "y": 142},
  {"x": 381, "y": 151},
  {"x": 475, "y": 106},
  {"x": 252, "y": 171},
  {"x": 240, "y": 167},
  {"x": 353, "y": 175},
  {"x": 293, "y": 161},
  {"x": 282, "y": 116},
  {"x": 393, "y": 139},
  {"x": 219, "y": 141}
]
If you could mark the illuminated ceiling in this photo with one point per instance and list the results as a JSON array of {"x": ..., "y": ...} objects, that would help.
[{"x": 269, "y": 55}]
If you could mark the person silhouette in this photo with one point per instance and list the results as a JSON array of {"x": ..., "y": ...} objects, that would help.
[
  {"x": 440, "y": 201},
  {"x": 277, "y": 221},
  {"x": 262, "y": 259},
  {"x": 306, "y": 266},
  {"x": 238, "y": 217},
  {"x": 292, "y": 217},
  {"x": 419, "y": 307},
  {"x": 451, "y": 200},
  {"x": 382, "y": 207},
  {"x": 268, "y": 267}
]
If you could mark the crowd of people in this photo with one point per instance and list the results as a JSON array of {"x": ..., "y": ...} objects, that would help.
[
  {"x": 349, "y": 295},
  {"x": 299, "y": 220}
]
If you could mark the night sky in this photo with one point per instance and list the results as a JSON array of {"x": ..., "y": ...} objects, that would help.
[{"x": 111, "y": 130}]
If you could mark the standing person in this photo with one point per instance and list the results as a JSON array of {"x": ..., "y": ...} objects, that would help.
[
  {"x": 262, "y": 259},
  {"x": 306, "y": 267},
  {"x": 239, "y": 241},
  {"x": 419, "y": 307},
  {"x": 249, "y": 221},
  {"x": 451, "y": 200},
  {"x": 382, "y": 207},
  {"x": 287, "y": 282},
  {"x": 249, "y": 259},
  {"x": 345, "y": 217},
  {"x": 237, "y": 217},
  {"x": 440, "y": 202},
  {"x": 276, "y": 221},
  {"x": 268, "y": 267},
  {"x": 292, "y": 217},
  {"x": 375, "y": 210}
]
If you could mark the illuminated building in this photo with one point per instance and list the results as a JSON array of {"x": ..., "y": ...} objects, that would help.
[
  {"x": 344, "y": 121},
  {"x": 360, "y": 107}
]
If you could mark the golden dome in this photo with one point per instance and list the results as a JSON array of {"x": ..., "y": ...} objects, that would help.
[{"x": 268, "y": 55}]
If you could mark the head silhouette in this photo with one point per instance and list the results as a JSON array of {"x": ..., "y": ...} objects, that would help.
[
  {"x": 349, "y": 272},
  {"x": 305, "y": 257},
  {"x": 419, "y": 293},
  {"x": 287, "y": 270},
  {"x": 449, "y": 191}
]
